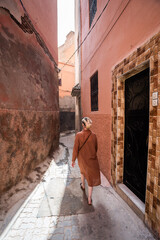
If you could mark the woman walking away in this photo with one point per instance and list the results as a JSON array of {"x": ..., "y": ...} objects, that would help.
[{"x": 85, "y": 149}]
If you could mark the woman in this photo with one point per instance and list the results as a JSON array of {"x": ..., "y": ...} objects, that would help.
[{"x": 85, "y": 149}]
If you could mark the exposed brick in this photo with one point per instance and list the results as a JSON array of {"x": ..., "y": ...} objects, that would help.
[
  {"x": 147, "y": 208},
  {"x": 121, "y": 70},
  {"x": 140, "y": 50},
  {"x": 132, "y": 65},
  {"x": 154, "y": 202},
  {"x": 159, "y": 180},
  {"x": 126, "y": 61}
]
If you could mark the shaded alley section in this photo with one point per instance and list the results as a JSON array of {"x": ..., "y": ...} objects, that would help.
[{"x": 57, "y": 209}]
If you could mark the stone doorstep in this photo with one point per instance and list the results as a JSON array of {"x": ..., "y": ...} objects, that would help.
[{"x": 132, "y": 200}]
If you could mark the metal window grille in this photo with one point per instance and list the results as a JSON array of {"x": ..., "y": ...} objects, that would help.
[
  {"x": 92, "y": 10},
  {"x": 94, "y": 92}
]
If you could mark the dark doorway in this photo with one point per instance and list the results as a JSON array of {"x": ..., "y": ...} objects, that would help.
[{"x": 136, "y": 132}]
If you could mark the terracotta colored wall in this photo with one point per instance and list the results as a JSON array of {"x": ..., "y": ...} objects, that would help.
[
  {"x": 29, "y": 113},
  {"x": 44, "y": 17},
  {"x": 66, "y": 102},
  {"x": 67, "y": 49},
  {"x": 67, "y": 76},
  {"x": 126, "y": 27}
]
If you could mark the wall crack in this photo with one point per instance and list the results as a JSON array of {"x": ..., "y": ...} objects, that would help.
[{"x": 27, "y": 27}]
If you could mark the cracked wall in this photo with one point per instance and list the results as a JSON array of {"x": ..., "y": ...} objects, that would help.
[{"x": 29, "y": 112}]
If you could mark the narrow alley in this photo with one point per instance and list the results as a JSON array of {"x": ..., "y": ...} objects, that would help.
[
  {"x": 62, "y": 213},
  {"x": 64, "y": 66}
]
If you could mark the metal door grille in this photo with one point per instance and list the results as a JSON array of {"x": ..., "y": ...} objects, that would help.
[{"x": 136, "y": 132}]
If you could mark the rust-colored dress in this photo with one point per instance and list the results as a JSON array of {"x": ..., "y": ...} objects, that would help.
[{"x": 87, "y": 157}]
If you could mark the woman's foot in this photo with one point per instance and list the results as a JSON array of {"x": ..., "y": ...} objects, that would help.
[
  {"x": 89, "y": 201},
  {"x": 82, "y": 187}
]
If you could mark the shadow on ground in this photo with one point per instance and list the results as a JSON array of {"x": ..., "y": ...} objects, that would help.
[
  {"x": 109, "y": 218},
  {"x": 13, "y": 199}
]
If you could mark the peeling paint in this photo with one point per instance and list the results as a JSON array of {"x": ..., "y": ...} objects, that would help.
[{"x": 27, "y": 26}]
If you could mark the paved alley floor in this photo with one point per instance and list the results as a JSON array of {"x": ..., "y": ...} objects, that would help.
[{"x": 57, "y": 209}]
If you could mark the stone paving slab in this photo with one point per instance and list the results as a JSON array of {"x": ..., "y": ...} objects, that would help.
[
  {"x": 111, "y": 218},
  {"x": 64, "y": 197}
]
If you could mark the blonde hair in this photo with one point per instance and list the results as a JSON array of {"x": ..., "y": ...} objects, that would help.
[{"x": 87, "y": 122}]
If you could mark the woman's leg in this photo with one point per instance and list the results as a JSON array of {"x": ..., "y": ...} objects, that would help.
[
  {"x": 90, "y": 189},
  {"x": 82, "y": 180}
]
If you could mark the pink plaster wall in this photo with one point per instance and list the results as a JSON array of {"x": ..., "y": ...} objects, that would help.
[
  {"x": 123, "y": 27},
  {"x": 67, "y": 74}
]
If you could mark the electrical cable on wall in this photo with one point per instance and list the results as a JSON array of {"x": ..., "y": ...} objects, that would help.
[
  {"x": 102, "y": 40},
  {"x": 86, "y": 35}
]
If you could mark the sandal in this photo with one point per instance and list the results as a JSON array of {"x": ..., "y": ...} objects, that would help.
[{"x": 82, "y": 187}]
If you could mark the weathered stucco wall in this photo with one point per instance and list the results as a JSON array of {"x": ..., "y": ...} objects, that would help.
[
  {"x": 29, "y": 113},
  {"x": 43, "y": 15}
]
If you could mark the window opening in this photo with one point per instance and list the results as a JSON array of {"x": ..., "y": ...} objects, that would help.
[
  {"x": 94, "y": 92},
  {"x": 92, "y": 10}
]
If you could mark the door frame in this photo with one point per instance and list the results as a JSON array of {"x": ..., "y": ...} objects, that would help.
[
  {"x": 118, "y": 170},
  {"x": 148, "y": 54},
  {"x": 126, "y": 181}
]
